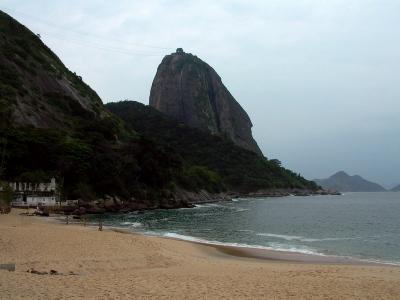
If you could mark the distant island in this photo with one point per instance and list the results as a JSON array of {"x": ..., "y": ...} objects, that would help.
[
  {"x": 396, "y": 189},
  {"x": 343, "y": 182}
]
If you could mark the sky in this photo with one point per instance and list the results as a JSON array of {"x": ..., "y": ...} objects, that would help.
[{"x": 319, "y": 79}]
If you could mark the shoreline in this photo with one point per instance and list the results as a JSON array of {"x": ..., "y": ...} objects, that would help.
[
  {"x": 116, "y": 263},
  {"x": 247, "y": 251},
  {"x": 295, "y": 257},
  {"x": 250, "y": 252},
  {"x": 185, "y": 199}
]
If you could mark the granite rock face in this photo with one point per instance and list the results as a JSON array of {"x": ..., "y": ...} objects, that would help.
[{"x": 190, "y": 91}]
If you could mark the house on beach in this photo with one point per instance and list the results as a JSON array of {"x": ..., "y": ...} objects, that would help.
[{"x": 34, "y": 194}]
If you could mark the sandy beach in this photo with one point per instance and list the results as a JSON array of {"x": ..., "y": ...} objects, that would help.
[{"x": 115, "y": 265}]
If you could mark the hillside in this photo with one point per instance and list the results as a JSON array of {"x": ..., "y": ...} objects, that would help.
[
  {"x": 396, "y": 189},
  {"x": 36, "y": 88},
  {"x": 343, "y": 182},
  {"x": 52, "y": 124},
  {"x": 240, "y": 170}
]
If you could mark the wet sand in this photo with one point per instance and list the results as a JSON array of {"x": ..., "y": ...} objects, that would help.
[
  {"x": 286, "y": 256},
  {"x": 113, "y": 265}
]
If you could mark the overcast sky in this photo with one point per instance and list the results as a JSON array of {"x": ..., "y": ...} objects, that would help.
[{"x": 319, "y": 79}]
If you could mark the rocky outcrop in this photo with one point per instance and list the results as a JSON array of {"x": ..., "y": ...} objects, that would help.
[
  {"x": 285, "y": 192},
  {"x": 181, "y": 199},
  {"x": 200, "y": 197},
  {"x": 190, "y": 91},
  {"x": 115, "y": 205}
]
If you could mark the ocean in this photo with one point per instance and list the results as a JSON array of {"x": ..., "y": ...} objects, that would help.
[{"x": 357, "y": 225}]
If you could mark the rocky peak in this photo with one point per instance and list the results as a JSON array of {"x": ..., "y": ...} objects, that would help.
[
  {"x": 190, "y": 91},
  {"x": 340, "y": 174}
]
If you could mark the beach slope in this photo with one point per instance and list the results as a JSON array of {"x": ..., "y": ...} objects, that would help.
[{"x": 109, "y": 265}]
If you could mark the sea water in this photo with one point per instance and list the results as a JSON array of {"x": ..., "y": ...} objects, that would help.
[{"x": 359, "y": 225}]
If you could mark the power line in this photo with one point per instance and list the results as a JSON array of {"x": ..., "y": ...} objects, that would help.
[
  {"x": 84, "y": 43},
  {"x": 82, "y": 33}
]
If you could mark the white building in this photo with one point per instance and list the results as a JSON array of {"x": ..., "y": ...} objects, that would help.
[
  {"x": 34, "y": 187},
  {"x": 34, "y": 200},
  {"x": 32, "y": 194}
]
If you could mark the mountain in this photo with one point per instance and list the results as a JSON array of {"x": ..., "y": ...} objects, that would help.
[
  {"x": 191, "y": 92},
  {"x": 52, "y": 124},
  {"x": 343, "y": 182},
  {"x": 36, "y": 89},
  {"x": 396, "y": 189},
  {"x": 231, "y": 167}
]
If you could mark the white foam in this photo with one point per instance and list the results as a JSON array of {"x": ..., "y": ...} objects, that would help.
[
  {"x": 132, "y": 224},
  {"x": 384, "y": 262},
  {"x": 207, "y": 205},
  {"x": 293, "y": 248},
  {"x": 336, "y": 239},
  {"x": 242, "y": 209},
  {"x": 126, "y": 223},
  {"x": 272, "y": 246},
  {"x": 282, "y": 236},
  {"x": 304, "y": 239}
]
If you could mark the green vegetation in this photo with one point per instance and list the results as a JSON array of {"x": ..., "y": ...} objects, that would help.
[
  {"x": 227, "y": 166},
  {"x": 196, "y": 178},
  {"x": 6, "y": 197},
  {"x": 7, "y": 194},
  {"x": 5, "y": 113},
  {"x": 132, "y": 151},
  {"x": 88, "y": 163},
  {"x": 25, "y": 59},
  {"x": 91, "y": 162}
]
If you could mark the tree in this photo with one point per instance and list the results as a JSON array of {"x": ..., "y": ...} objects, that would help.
[
  {"x": 8, "y": 193},
  {"x": 3, "y": 147},
  {"x": 6, "y": 197}
]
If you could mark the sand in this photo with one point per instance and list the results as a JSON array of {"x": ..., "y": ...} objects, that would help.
[{"x": 115, "y": 265}]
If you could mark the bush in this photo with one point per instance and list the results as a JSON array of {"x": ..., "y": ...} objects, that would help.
[
  {"x": 6, "y": 197},
  {"x": 236, "y": 169}
]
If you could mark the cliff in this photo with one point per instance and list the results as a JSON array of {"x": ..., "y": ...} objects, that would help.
[
  {"x": 190, "y": 91},
  {"x": 343, "y": 182}
]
